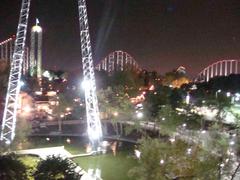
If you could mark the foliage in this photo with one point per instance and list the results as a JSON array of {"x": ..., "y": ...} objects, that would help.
[
  {"x": 176, "y": 163},
  {"x": 154, "y": 100},
  {"x": 64, "y": 101},
  {"x": 219, "y": 141},
  {"x": 177, "y": 83},
  {"x": 56, "y": 168},
  {"x": 30, "y": 163},
  {"x": 22, "y": 131},
  {"x": 222, "y": 103},
  {"x": 12, "y": 168},
  {"x": 175, "y": 79},
  {"x": 168, "y": 120},
  {"x": 162, "y": 96},
  {"x": 115, "y": 101},
  {"x": 131, "y": 81}
]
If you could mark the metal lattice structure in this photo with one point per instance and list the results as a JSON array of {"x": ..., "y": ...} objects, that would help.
[
  {"x": 11, "y": 104},
  {"x": 219, "y": 68},
  {"x": 117, "y": 61},
  {"x": 93, "y": 120},
  {"x": 6, "y": 53}
]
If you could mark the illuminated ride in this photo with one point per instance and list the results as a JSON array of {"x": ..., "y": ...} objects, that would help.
[
  {"x": 6, "y": 53},
  {"x": 219, "y": 68},
  {"x": 11, "y": 104},
  {"x": 117, "y": 61}
]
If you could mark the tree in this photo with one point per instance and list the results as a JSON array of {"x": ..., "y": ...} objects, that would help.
[
  {"x": 12, "y": 168},
  {"x": 175, "y": 79},
  {"x": 23, "y": 130},
  {"x": 168, "y": 120},
  {"x": 65, "y": 101},
  {"x": 156, "y": 99},
  {"x": 164, "y": 160},
  {"x": 115, "y": 105},
  {"x": 115, "y": 100},
  {"x": 222, "y": 104},
  {"x": 56, "y": 168},
  {"x": 177, "y": 83}
]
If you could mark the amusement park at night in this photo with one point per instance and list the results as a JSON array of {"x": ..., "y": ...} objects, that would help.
[{"x": 120, "y": 90}]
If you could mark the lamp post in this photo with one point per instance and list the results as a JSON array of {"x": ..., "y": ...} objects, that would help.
[
  {"x": 218, "y": 91},
  {"x": 60, "y": 122}
]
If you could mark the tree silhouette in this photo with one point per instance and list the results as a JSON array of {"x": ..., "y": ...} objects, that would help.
[
  {"x": 56, "y": 168},
  {"x": 11, "y": 168}
]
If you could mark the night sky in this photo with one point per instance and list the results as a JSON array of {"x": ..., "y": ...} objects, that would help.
[{"x": 159, "y": 34}]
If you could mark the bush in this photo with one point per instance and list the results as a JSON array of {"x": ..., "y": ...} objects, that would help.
[
  {"x": 56, "y": 168},
  {"x": 11, "y": 168}
]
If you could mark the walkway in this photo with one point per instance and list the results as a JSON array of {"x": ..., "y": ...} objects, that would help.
[{"x": 43, "y": 153}]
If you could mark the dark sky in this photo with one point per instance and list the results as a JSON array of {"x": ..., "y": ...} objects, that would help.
[{"x": 159, "y": 34}]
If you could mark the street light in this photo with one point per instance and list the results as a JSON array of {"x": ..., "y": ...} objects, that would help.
[
  {"x": 188, "y": 98},
  {"x": 228, "y": 94},
  {"x": 68, "y": 109},
  {"x": 139, "y": 115},
  {"x": 203, "y": 131},
  {"x": 237, "y": 98},
  {"x": 115, "y": 114},
  {"x": 137, "y": 153},
  {"x": 232, "y": 143},
  {"x": 161, "y": 161},
  {"x": 189, "y": 151},
  {"x": 218, "y": 91},
  {"x": 68, "y": 140}
]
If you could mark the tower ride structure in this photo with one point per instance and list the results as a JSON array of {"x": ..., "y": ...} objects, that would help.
[
  {"x": 36, "y": 51},
  {"x": 93, "y": 121},
  {"x": 10, "y": 111},
  {"x": 11, "y": 102}
]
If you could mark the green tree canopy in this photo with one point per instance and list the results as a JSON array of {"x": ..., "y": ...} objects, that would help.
[
  {"x": 11, "y": 168},
  {"x": 56, "y": 168},
  {"x": 164, "y": 160}
]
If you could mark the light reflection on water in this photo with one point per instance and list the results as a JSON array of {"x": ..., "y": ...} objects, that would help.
[{"x": 114, "y": 165}]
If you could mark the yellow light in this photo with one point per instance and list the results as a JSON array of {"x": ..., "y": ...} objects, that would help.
[
  {"x": 68, "y": 109},
  {"x": 115, "y": 113},
  {"x": 68, "y": 140},
  {"x": 27, "y": 109},
  {"x": 37, "y": 29}
]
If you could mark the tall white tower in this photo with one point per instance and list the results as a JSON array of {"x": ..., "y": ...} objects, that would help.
[
  {"x": 93, "y": 120},
  {"x": 14, "y": 84},
  {"x": 36, "y": 51}
]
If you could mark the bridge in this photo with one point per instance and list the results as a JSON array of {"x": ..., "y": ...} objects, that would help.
[
  {"x": 219, "y": 68},
  {"x": 77, "y": 128},
  {"x": 117, "y": 61}
]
